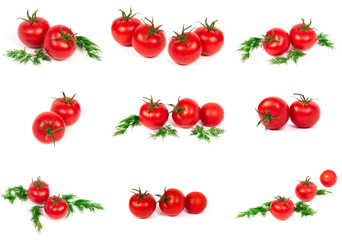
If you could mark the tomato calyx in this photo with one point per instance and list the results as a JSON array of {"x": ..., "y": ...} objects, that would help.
[
  {"x": 49, "y": 132},
  {"x": 163, "y": 198},
  {"x": 38, "y": 184},
  {"x": 177, "y": 109},
  {"x": 126, "y": 17},
  {"x": 269, "y": 38},
  {"x": 152, "y": 30},
  {"x": 139, "y": 194},
  {"x": 305, "y": 27},
  {"x": 267, "y": 118},
  {"x": 210, "y": 27},
  {"x": 67, "y": 37},
  {"x": 302, "y": 98},
  {"x": 182, "y": 37},
  {"x": 282, "y": 200},
  {"x": 66, "y": 100},
  {"x": 306, "y": 181},
  {"x": 31, "y": 19},
  {"x": 55, "y": 201},
  {"x": 151, "y": 103}
]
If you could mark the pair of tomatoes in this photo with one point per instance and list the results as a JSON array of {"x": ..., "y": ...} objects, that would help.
[
  {"x": 274, "y": 112},
  {"x": 49, "y": 127},
  {"x": 172, "y": 203}
]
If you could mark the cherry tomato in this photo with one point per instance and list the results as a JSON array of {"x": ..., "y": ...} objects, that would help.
[
  {"x": 32, "y": 30},
  {"x": 148, "y": 40},
  {"x": 195, "y": 202},
  {"x": 123, "y": 28},
  {"x": 305, "y": 112},
  {"x": 60, "y": 42},
  {"x": 212, "y": 114},
  {"x": 38, "y": 191},
  {"x": 56, "y": 207},
  {"x": 282, "y": 208},
  {"x": 273, "y": 112},
  {"x": 142, "y": 205},
  {"x": 211, "y": 37},
  {"x": 172, "y": 202},
  {"x": 185, "y": 48},
  {"x": 302, "y": 36},
  {"x": 328, "y": 178},
  {"x": 48, "y": 127},
  {"x": 276, "y": 42},
  {"x": 153, "y": 115},
  {"x": 68, "y": 108},
  {"x": 186, "y": 113},
  {"x": 306, "y": 190}
]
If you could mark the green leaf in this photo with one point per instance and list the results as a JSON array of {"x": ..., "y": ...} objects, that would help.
[
  {"x": 322, "y": 40},
  {"x": 13, "y": 193},
  {"x": 291, "y": 55},
  {"x": 131, "y": 121},
  {"x": 323, "y": 192},
  {"x": 21, "y": 56},
  {"x": 304, "y": 209},
  {"x": 163, "y": 132},
  {"x": 35, "y": 211},
  {"x": 80, "y": 204},
  {"x": 205, "y": 135},
  {"x": 252, "y": 212},
  {"x": 248, "y": 46},
  {"x": 90, "y": 47}
]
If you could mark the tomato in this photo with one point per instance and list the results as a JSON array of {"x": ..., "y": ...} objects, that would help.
[
  {"x": 282, "y": 208},
  {"x": 172, "y": 202},
  {"x": 68, "y": 108},
  {"x": 195, "y": 202},
  {"x": 328, "y": 178},
  {"x": 273, "y": 112},
  {"x": 153, "y": 115},
  {"x": 185, "y": 48},
  {"x": 148, "y": 40},
  {"x": 48, "y": 127},
  {"x": 186, "y": 113},
  {"x": 32, "y": 30},
  {"x": 276, "y": 42},
  {"x": 56, "y": 207},
  {"x": 306, "y": 190},
  {"x": 60, "y": 42},
  {"x": 38, "y": 191},
  {"x": 142, "y": 205},
  {"x": 211, "y": 37},
  {"x": 212, "y": 114},
  {"x": 123, "y": 28},
  {"x": 302, "y": 36},
  {"x": 305, "y": 112}
]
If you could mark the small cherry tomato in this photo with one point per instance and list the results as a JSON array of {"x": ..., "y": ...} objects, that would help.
[
  {"x": 186, "y": 113},
  {"x": 304, "y": 112},
  {"x": 282, "y": 208},
  {"x": 195, "y": 202},
  {"x": 142, "y": 205},
  {"x": 302, "y": 36},
  {"x": 306, "y": 190},
  {"x": 172, "y": 202},
  {"x": 68, "y": 108},
  {"x": 276, "y": 42},
  {"x": 38, "y": 191},
  {"x": 212, "y": 114},
  {"x": 56, "y": 207},
  {"x": 153, "y": 115},
  {"x": 328, "y": 178}
]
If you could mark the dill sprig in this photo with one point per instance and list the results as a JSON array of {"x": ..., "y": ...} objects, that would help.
[
  {"x": 163, "y": 132},
  {"x": 248, "y": 46},
  {"x": 21, "y": 56},
  {"x": 322, "y": 192},
  {"x": 304, "y": 209},
  {"x": 35, "y": 211},
  {"x": 205, "y": 135},
  {"x": 13, "y": 193},
  {"x": 131, "y": 121},
  {"x": 322, "y": 40},
  {"x": 291, "y": 55},
  {"x": 252, "y": 212},
  {"x": 90, "y": 47},
  {"x": 80, "y": 204}
]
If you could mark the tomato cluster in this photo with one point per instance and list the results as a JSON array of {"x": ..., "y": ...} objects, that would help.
[
  {"x": 172, "y": 202},
  {"x": 49, "y": 127}
]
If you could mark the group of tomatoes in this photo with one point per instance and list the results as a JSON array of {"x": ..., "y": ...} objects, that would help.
[
  {"x": 274, "y": 112},
  {"x": 172, "y": 202},
  {"x": 49, "y": 127},
  {"x": 150, "y": 40}
]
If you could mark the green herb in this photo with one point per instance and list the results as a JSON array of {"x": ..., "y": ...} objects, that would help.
[
  {"x": 291, "y": 55},
  {"x": 322, "y": 192},
  {"x": 322, "y": 40},
  {"x": 252, "y": 212},
  {"x": 304, "y": 209},
  {"x": 205, "y": 135},
  {"x": 163, "y": 132},
  {"x": 248, "y": 46},
  {"x": 90, "y": 47},
  {"x": 80, "y": 204},
  {"x": 131, "y": 121},
  {"x": 13, "y": 193},
  {"x": 21, "y": 56},
  {"x": 35, "y": 217}
]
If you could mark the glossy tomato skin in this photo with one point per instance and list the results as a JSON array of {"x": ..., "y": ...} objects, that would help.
[
  {"x": 176, "y": 203},
  {"x": 280, "y": 210},
  {"x": 122, "y": 30},
  {"x": 195, "y": 202},
  {"x": 306, "y": 191},
  {"x": 278, "y": 108},
  {"x": 154, "y": 118},
  {"x": 212, "y": 114},
  {"x": 181, "y": 53},
  {"x": 304, "y": 116},
  {"x": 212, "y": 40},
  {"x": 32, "y": 34},
  {"x": 38, "y": 192},
  {"x": 59, "y": 49},
  {"x": 56, "y": 210},
  {"x": 70, "y": 112},
  {"x": 328, "y": 178},
  {"x": 48, "y": 117},
  {"x": 279, "y": 47},
  {"x": 302, "y": 40},
  {"x": 152, "y": 45},
  {"x": 191, "y": 113},
  {"x": 142, "y": 208}
]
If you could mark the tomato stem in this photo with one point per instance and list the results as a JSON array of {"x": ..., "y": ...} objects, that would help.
[
  {"x": 67, "y": 37},
  {"x": 210, "y": 27},
  {"x": 31, "y": 19},
  {"x": 267, "y": 118},
  {"x": 269, "y": 38},
  {"x": 66, "y": 100},
  {"x": 152, "y": 30},
  {"x": 126, "y": 17},
  {"x": 182, "y": 37}
]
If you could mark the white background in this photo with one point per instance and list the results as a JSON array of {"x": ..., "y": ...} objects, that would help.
[{"x": 243, "y": 169}]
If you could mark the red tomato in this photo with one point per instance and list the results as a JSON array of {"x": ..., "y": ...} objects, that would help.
[
  {"x": 276, "y": 42},
  {"x": 38, "y": 191},
  {"x": 68, "y": 108},
  {"x": 142, "y": 205},
  {"x": 185, "y": 48},
  {"x": 32, "y": 30},
  {"x": 328, "y": 178},
  {"x": 302, "y": 36},
  {"x": 273, "y": 112},
  {"x": 60, "y": 42},
  {"x": 211, "y": 37},
  {"x": 123, "y": 28},
  {"x": 48, "y": 127},
  {"x": 153, "y": 115},
  {"x": 56, "y": 207},
  {"x": 306, "y": 190},
  {"x": 212, "y": 114},
  {"x": 148, "y": 40},
  {"x": 282, "y": 208},
  {"x": 195, "y": 202},
  {"x": 172, "y": 202},
  {"x": 305, "y": 112},
  {"x": 186, "y": 113}
]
